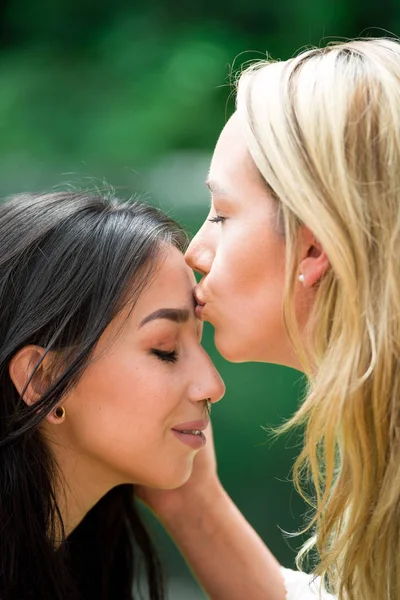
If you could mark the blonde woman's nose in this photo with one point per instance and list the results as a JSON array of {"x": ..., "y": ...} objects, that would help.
[{"x": 198, "y": 256}]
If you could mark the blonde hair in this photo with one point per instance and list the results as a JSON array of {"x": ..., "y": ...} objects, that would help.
[{"x": 324, "y": 131}]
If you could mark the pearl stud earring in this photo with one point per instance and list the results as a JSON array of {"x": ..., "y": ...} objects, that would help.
[{"x": 301, "y": 278}]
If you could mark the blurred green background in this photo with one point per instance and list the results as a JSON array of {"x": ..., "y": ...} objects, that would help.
[{"x": 134, "y": 94}]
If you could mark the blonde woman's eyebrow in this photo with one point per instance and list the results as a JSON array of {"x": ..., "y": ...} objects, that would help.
[
  {"x": 215, "y": 188},
  {"x": 177, "y": 315}
]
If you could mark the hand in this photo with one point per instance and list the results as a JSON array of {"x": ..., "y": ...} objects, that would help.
[
  {"x": 228, "y": 558},
  {"x": 202, "y": 482}
]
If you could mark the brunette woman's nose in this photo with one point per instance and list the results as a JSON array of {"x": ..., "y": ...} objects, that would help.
[{"x": 211, "y": 385}]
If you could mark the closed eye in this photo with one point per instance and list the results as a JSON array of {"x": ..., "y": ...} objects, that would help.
[
  {"x": 217, "y": 219},
  {"x": 170, "y": 357}
]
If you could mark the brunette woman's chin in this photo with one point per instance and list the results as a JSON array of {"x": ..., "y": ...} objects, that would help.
[{"x": 171, "y": 480}]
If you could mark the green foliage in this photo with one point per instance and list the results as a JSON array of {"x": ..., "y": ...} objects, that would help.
[{"x": 121, "y": 83}]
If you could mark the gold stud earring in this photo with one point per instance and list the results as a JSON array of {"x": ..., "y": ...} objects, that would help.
[{"x": 60, "y": 412}]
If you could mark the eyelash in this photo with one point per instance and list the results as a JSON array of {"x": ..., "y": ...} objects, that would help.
[
  {"x": 217, "y": 219},
  {"x": 169, "y": 357}
]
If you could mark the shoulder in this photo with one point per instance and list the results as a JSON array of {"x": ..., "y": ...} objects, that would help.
[{"x": 301, "y": 586}]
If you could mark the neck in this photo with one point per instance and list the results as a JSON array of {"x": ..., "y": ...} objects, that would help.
[{"x": 80, "y": 484}]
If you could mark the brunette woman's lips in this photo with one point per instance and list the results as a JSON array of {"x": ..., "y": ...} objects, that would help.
[{"x": 191, "y": 433}]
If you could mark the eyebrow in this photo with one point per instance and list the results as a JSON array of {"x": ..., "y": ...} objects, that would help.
[
  {"x": 215, "y": 188},
  {"x": 177, "y": 315}
]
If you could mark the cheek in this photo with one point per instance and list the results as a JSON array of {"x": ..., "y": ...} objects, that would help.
[
  {"x": 118, "y": 423},
  {"x": 246, "y": 289},
  {"x": 247, "y": 267},
  {"x": 117, "y": 407}
]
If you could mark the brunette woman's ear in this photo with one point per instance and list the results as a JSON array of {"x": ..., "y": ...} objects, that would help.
[
  {"x": 314, "y": 262},
  {"x": 21, "y": 367}
]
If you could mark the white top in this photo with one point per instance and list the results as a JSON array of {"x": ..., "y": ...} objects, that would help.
[{"x": 300, "y": 586}]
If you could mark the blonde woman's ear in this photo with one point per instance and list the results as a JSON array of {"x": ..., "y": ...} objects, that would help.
[
  {"x": 21, "y": 367},
  {"x": 314, "y": 262}
]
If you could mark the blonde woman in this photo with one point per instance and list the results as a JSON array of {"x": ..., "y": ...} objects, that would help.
[{"x": 300, "y": 257}]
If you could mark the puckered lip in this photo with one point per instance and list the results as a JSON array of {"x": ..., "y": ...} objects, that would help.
[
  {"x": 192, "y": 425},
  {"x": 197, "y": 297}
]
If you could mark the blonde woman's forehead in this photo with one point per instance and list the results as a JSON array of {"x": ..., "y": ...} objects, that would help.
[{"x": 232, "y": 160}]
